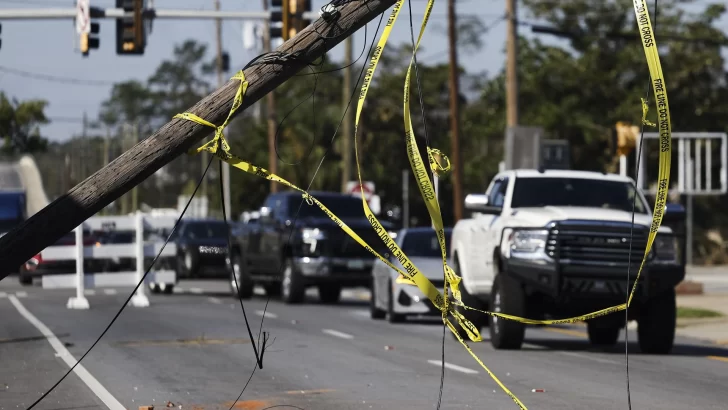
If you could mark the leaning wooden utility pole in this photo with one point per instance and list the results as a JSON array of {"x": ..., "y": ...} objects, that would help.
[
  {"x": 270, "y": 111},
  {"x": 178, "y": 136},
  {"x": 457, "y": 167}
]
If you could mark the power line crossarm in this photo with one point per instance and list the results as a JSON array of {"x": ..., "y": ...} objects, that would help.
[{"x": 177, "y": 137}]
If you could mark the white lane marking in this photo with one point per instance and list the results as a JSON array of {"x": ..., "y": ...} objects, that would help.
[
  {"x": 89, "y": 292},
  {"x": 110, "y": 292},
  {"x": 178, "y": 290},
  {"x": 195, "y": 290},
  {"x": 3, "y": 295},
  {"x": 21, "y": 294},
  {"x": 336, "y": 333},
  {"x": 453, "y": 367},
  {"x": 588, "y": 357},
  {"x": 66, "y": 356},
  {"x": 267, "y": 314},
  {"x": 215, "y": 300}
]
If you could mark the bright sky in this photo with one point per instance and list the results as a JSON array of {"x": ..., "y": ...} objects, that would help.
[{"x": 49, "y": 48}]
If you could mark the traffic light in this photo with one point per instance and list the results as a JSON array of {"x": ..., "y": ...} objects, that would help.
[
  {"x": 225, "y": 62},
  {"x": 91, "y": 39},
  {"x": 290, "y": 17},
  {"x": 627, "y": 136},
  {"x": 283, "y": 16},
  {"x": 130, "y": 31}
]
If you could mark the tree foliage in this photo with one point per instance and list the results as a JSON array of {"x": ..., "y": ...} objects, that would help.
[
  {"x": 19, "y": 125},
  {"x": 575, "y": 92}
]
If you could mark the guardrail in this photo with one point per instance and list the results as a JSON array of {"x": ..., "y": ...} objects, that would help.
[{"x": 163, "y": 279}]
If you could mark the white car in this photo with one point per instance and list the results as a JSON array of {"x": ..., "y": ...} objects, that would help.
[{"x": 396, "y": 300}]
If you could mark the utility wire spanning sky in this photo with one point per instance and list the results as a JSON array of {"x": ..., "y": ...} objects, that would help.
[{"x": 40, "y": 58}]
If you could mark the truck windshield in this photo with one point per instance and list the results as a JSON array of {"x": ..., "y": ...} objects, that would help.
[
  {"x": 342, "y": 206},
  {"x": 590, "y": 193}
]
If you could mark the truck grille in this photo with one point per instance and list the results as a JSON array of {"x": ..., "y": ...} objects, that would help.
[
  {"x": 596, "y": 244},
  {"x": 344, "y": 246}
]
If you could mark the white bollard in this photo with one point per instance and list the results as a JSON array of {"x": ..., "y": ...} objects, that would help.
[
  {"x": 140, "y": 298},
  {"x": 80, "y": 301}
]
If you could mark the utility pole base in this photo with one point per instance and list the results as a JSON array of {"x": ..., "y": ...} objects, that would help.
[
  {"x": 140, "y": 300},
  {"x": 78, "y": 303}
]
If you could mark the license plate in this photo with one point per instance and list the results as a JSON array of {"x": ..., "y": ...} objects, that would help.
[{"x": 355, "y": 264}]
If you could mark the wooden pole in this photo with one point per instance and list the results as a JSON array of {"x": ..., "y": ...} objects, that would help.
[
  {"x": 177, "y": 137},
  {"x": 511, "y": 65},
  {"x": 457, "y": 177}
]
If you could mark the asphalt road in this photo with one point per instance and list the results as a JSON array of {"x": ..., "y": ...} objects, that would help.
[{"x": 191, "y": 349}]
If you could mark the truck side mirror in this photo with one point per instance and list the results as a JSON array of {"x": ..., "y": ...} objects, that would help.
[{"x": 480, "y": 203}]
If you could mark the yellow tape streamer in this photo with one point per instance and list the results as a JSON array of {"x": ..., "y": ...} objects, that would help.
[{"x": 411, "y": 274}]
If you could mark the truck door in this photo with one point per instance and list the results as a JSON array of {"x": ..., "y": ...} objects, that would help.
[
  {"x": 492, "y": 234},
  {"x": 272, "y": 235}
]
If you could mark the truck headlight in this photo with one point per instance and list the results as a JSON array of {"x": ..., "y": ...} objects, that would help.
[
  {"x": 310, "y": 238},
  {"x": 528, "y": 240},
  {"x": 665, "y": 248}
]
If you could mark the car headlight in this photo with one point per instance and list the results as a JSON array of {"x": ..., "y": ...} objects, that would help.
[
  {"x": 528, "y": 240},
  {"x": 665, "y": 248}
]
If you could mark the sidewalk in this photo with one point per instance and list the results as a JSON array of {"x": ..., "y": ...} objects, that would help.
[{"x": 709, "y": 329}]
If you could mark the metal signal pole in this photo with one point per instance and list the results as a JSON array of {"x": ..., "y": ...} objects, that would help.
[{"x": 225, "y": 166}]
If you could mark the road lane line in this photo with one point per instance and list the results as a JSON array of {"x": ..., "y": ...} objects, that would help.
[
  {"x": 718, "y": 358},
  {"x": 21, "y": 294},
  {"x": 453, "y": 367},
  {"x": 215, "y": 300},
  {"x": 267, "y": 314},
  {"x": 588, "y": 357},
  {"x": 110, "y": 292},
  {"x": 89, "y": 292},
  {"x": 66, "y": 356},
  {"x": 3, "y": 295},
  {"x": 196, "y": 291},
  {"x": 336, "y": 333}
]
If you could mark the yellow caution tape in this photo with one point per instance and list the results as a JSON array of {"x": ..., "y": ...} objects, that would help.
[{"x": 440, "y": 164}]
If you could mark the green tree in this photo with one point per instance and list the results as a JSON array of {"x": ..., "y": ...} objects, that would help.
[{"x": 20, "y": 123}]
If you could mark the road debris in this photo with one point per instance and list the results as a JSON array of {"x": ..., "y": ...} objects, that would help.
[
  {"x": 388, "y": 347},
  {"x": 538, "y": 391}
]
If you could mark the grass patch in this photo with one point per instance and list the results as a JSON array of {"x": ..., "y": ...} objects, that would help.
[{"x": 693, "y": 313}]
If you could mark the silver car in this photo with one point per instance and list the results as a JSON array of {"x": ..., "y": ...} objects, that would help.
[{"x": 396, "y": 300}]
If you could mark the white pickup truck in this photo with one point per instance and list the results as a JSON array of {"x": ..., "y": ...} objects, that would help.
[{"x": 555, "y": 244}]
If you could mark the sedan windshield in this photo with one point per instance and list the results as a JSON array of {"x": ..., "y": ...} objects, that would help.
[
  {"x": 590, "y": 193},
  {"x": 424, "y": 243}
]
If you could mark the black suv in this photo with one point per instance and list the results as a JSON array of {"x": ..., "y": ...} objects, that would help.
[{"x": 313, "y": 250}]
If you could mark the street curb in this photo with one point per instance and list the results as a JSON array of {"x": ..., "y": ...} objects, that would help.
[{"x": 689, "y": 288}]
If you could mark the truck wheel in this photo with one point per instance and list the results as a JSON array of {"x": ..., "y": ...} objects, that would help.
[
  {"x": 168, "y": 289},
  {"x": 656, "y": 324},
  {"x": 25, "y": 280},
  {"x": 272, "y": 289},
  {"x": 601, "y": 335},
  {"x": 374, "y": 311},
  {"x": 292, "y": 287},
  {"x": 329, "y": 293},
  {"x": 391, "y": 315},
  {"x": 239, "y": 273},
  {"x": 508, "y": 297}
]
